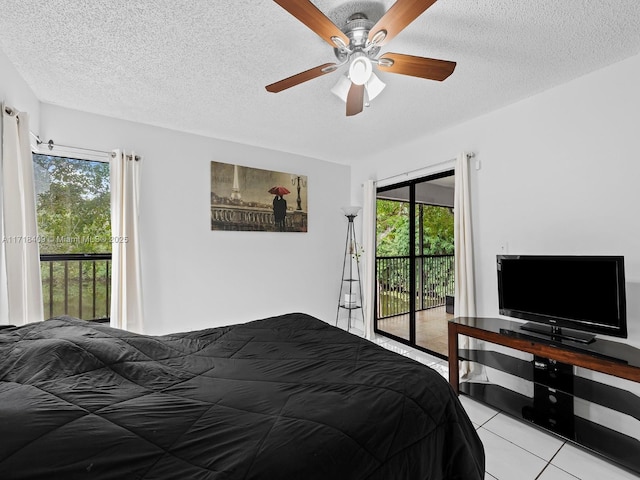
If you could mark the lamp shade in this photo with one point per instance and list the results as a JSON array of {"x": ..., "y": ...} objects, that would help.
[
  {"x": 351, "y": 210},
  {"x": 374, "y": 86},
  {"x": 341, "y": 88}
]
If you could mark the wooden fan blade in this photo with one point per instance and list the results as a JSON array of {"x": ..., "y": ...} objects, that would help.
[
  {"x": 355, "y": 100},
  {"x": 401, "y": 14},
  {"x": 312, "y": 17},
  {"x": 301, "y": 77},
  {"x": 428, "y": 68}
]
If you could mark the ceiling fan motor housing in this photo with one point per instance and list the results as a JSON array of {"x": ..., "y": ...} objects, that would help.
[{"x": 357, "y": 29}]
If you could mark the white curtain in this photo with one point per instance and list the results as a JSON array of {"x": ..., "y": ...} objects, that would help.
[
  {"x": 369, "y": 247},
  {"x": 126, "y": 284},
  {"x": 20, "y": 281},
  {"x": 465, "y": 301}
]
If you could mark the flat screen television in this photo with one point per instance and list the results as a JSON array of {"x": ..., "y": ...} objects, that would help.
[{"x": 564, "y": 296}]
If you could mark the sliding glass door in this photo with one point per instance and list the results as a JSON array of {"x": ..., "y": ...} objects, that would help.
[{"x": 414, "y": 262}]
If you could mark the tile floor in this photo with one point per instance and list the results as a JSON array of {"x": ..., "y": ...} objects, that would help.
[{"x": 515, "y": 450}]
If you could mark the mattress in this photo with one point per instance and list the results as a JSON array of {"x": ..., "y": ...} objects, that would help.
[{"x": 288, "y": 397}]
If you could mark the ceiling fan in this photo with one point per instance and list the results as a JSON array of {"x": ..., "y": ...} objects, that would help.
[{"x": 358, "y": 44}]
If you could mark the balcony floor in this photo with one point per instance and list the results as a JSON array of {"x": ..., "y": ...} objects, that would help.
[{"x": 431, "y": 328}]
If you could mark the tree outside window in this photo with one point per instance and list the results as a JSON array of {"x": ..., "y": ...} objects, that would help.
[{"x": 74, "y": 234}]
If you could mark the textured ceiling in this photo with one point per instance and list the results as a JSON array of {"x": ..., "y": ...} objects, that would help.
[{"x": 201, "y": 66}]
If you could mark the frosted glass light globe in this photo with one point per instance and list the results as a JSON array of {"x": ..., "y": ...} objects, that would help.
[{"x": 360, "y": 70}]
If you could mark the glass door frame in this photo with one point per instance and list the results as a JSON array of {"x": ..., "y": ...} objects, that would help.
[{"x": 412, "y": 261}]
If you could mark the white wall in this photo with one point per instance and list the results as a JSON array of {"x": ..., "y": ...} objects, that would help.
[
  {"x": 197, "y": 278},
  {"x": 560, "y": 174},
  {"x": 15, "y": 92},
  {"x": 193, "y": 277}
]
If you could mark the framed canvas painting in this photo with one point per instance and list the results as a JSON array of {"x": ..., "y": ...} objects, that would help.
[{"x": 253, "y": 199}]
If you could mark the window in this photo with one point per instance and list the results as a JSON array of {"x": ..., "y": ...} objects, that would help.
[{"x": 74, "y": 233}]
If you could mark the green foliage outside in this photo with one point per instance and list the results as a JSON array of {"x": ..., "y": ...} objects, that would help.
[
  {"x": 73, "y": 208},
  {"x": 73, "y": 205},
  {"x": 393, "y": 229},
  {"x": 438, "y": 231},
  {"x": 434, "y": 274}
]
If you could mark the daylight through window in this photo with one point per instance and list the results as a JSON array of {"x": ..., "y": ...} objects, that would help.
[{"x": 74, "y": 234}]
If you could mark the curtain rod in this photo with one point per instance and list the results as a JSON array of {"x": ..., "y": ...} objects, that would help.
[
  {"x": 51, "y": 144},
  {"x": 469, "y": 155}
]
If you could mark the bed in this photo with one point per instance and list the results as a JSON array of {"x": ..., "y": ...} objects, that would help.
[{"x": 287, "y": 397}]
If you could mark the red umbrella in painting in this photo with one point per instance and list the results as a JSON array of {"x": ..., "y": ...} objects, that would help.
[{"x": 279, "y": 191}]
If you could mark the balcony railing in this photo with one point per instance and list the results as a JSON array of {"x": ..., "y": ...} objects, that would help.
[
  {"x": 77, "y": 285},
  {"x": 434, "y": 281}
]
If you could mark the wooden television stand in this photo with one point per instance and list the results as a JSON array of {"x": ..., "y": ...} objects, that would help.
[{"x": 555, "y": 386}]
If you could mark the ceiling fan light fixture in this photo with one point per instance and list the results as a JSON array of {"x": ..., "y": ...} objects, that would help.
[
  {"x": 374, "y": 87},
  {"x": 341, "y": 88},
  {"x": 360, "y": 70}
]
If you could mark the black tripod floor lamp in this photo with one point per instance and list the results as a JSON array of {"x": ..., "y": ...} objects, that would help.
[{"x": 350, "y": 299}]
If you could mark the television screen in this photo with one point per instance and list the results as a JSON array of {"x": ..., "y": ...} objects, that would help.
[{"x": 581, "y": 292}]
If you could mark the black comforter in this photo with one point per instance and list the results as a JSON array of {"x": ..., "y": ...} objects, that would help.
[{"x": 283, "y": 398}]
